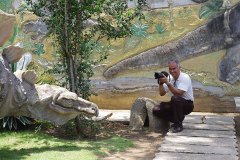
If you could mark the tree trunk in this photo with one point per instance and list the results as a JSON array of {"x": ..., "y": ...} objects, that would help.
[
  {"x": 70, "y": 60},
  {"x": 70, "y": 64},
  {"x": 227, "y": 5},
  {"x": 170, "y": 5}
]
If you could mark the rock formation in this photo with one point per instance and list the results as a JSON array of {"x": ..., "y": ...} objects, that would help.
[
  {"x": 205, "y": 39},
  {"x": 141, "y": 113},
  {"x": 229, "y": 68}
]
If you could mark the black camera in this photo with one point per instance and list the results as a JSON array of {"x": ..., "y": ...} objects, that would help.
[
  {"x": 162, "y": 74},
  {"x": 158, "y": 75}
]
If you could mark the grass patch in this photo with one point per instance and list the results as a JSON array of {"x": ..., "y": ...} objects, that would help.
[{"x": 27, "y": 145}]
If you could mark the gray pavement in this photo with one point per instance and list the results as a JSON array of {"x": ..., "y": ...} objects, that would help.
[
  {"x": 212, "y": 137},
  {"x": 206, "y": 136}
]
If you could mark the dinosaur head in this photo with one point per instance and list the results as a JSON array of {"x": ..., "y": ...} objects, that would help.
[
  {"x": 57, "y": 105},
  {"x": 67, "y": 102}
]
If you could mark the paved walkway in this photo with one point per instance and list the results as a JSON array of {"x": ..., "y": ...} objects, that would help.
[
  {"x": 205, "y": 136},
  {"x": 212, "y": 137}
]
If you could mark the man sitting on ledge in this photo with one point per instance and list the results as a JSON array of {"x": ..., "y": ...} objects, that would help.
[{"x": 181, "y": 102}]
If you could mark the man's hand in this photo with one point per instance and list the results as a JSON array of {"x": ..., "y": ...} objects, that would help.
[{"x": 163, "y": 80}]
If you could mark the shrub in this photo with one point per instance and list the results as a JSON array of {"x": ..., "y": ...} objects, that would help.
[{"x": 11, "y": 122}]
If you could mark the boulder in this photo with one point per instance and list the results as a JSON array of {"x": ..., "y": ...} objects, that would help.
[{"x": 141, "y": 113}]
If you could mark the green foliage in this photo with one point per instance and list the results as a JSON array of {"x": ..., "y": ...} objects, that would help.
[
  {"x": 78, "y": 27},
  {"x": 5, "y": 5},
  {"x": 185, "y": 12},
  {"x": 46, "y": 78},
  {"x": 23, "y": 7},
  {"x": 139, "y": 30},
  {"x": 131, "y": 43},
  {"x": 12, "y": 122},
  {"x": 39, "y": 50},
  {"x": 16, "y": 30},
  {"x": 88, "y": 127},
  {"x": 160, "y": 28},
  {"x": 163, "y": 14},
  {"x": 210, "y": 8}
]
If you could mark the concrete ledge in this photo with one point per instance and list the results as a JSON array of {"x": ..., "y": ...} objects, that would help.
[
  {"x": 237, "y": 102},
  {"x": 118, "y": 115}
]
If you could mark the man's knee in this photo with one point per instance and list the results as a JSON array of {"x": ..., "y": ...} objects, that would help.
[
  {"x": 156, "y": 111},
  {"x": 176, "y": 99}
]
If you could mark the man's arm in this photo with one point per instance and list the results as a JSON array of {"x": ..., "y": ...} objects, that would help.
[
  {"x": 162, "y": 92},
  {"x": 175, "y": 91}
]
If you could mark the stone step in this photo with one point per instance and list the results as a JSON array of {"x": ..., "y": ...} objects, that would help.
[
  {"x": 202, "y": 141},
  {"x": 189, "y": 156},
  {"x": 198, "y": 149},
  {"x": 217, "y": 127},
  {"x": 205, "y": 133},
  {"x": 213, "y": 139},
  {"x": 209, "y": 119}
]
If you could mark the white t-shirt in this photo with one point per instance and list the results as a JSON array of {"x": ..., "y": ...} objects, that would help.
[{"x": 183, "y": 83}]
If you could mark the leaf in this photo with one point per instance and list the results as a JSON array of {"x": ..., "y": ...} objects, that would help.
[
  {"x": 5, "y": 120},
  {"x": 204, "y": 13},
  {"x": 10, "y": 122},
  {"x": 14, "y": 123},
  {"x": 24, "y": 120},
  {"x": 160, "y": 28},
  {"x": 21, "y": 119},
  {"x": 16, "y": 29},
  {"x": 210, "y": 8},
  {"x": 139, "y": 29}
]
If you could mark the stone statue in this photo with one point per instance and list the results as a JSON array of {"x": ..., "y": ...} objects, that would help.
[
  {"x": 141, "y": 112},
  {"x": 20, "y": 96}
]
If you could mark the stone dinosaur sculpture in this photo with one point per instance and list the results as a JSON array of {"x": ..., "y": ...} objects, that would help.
[
  {"x": 20, "y": 96},
  {"x": 222, "y": 32}
]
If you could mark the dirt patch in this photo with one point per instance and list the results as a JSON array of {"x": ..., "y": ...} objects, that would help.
[{"x": 146, "y": 143}]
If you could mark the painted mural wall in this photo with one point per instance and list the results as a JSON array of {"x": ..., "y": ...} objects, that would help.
[{"x": 183, "y": 29}]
